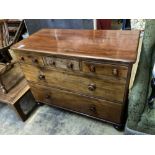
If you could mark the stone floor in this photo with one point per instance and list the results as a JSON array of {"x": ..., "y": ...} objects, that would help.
[{"x": 47, "y": 120}]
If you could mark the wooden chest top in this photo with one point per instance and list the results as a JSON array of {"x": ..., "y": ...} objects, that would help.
[{"x": 113, "y": 45}]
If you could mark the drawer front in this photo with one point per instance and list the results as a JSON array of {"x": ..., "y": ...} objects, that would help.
[
  {"x": 93, "y": 107},
  {"x": 116, "y": 71},
  {"x": 101, "y": 88},
  {"x": 67, "y": 64},
  {"x": 29, "y": 59}
]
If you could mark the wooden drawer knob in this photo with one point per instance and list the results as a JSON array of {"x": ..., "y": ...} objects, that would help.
[
  {"x": 47, "y": 96},
  {"x": 92, "y": 108},
  {"x": 115, "y": 72},
  {"x": 34, "y": 60},
  {"x": 70, "y": 65},
  {"x": 41, "y": 77},
  {"x": 22, "y": 58},
  {"x": 52, "y": 63},
  {"x": 91, "y": 87},
  {"x": 92, "y": 68}
]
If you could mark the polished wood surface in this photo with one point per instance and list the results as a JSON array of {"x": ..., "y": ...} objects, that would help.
[
  {"x": 97, "y": 44},
  {"x": 102, "y": 109},
  {"x": 85, "y": 71}
]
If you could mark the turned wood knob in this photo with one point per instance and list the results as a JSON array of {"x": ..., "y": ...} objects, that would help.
[
  {"x": 115, "y": 71},
  {"x": 41, "y": 77},
  {"x": 52, "y": 63},
  {"x": 91, "y": 87},
  {"x": 93, "y": 108},
  {"x": 92, "y": 68},
  {"x": 70, "y": 65},
  {"x": 34, "y": 60},
  {"x": 22, "y": 58},
  {"x": 47, "y": 96},
  {"x": 3, "y": 89}
]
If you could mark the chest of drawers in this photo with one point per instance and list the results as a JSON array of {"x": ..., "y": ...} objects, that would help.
[{"x": 84, "y": 71}]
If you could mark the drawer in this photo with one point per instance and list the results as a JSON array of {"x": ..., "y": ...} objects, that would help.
[
  {"x": 29, "y": 59},
  {"x": 101, "y": 109},
  {"x": 116, "y": 71},
  {"x": 67, "y": 64},
  {"x": 91, "y": 86}
]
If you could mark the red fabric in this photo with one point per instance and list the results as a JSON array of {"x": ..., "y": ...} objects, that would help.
[{"x": 104, "y": 24}]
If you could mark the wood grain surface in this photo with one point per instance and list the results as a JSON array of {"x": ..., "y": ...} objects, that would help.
[
  {"x": 114, "y": 70},
  {"x": 103, "y": 88},
  {"x": 100, "y": 109},
  {"x": 97, "y": 44},
  {"x": 15, "y": 93}
]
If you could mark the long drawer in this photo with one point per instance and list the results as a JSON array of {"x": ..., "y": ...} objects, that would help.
[
  {"x": 112, "y": 90},
  {"x": 98, "y": 108}
]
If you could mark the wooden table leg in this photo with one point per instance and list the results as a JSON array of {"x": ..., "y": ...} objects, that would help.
[
  {"x": 14, "y": 99},
  {"x": 2, "y": 86},
  {"x": 20, "y": 112}
]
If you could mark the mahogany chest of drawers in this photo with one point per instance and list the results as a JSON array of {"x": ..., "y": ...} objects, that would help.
[{"x": 84, "y": 71}]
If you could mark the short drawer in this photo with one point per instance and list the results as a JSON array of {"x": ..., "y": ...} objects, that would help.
[
  {"x": 116, "y": 71},
  {"x": 102, "y": 88},
  {"x": 62, "y": 63},
  {"x": 29, "y": 59},
  {"x": 101, "y": 109}
]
